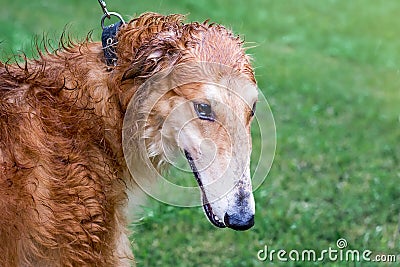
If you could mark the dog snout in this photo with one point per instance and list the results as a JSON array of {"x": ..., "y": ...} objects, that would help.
[
  {"x": 239, "y": 221},
  {"x": 240, "y": 216}
]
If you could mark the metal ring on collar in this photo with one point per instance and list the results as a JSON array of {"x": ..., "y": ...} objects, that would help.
[{"x": 111, "y": 14}]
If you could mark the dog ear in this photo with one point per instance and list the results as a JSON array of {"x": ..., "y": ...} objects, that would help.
[
  {"x": 133, "y": 71},
  {"x": 148, "y": 62}
]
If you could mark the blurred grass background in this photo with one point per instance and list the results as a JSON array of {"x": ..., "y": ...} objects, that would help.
[{"x": 331, "y": 73}]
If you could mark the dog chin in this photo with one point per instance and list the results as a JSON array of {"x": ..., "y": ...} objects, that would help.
[{"x": 214, "y": 219}]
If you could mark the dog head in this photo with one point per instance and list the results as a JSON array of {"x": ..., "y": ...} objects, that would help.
[{"x": 196, "y": 93}]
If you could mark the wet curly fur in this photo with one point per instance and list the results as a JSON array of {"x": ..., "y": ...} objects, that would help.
[{"x": 63, "y": 178}]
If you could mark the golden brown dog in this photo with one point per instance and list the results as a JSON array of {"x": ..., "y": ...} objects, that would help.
[{"x": 63, "y": 175}]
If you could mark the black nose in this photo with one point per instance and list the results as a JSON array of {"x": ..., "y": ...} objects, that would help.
[{"x": 239, "y": 222}]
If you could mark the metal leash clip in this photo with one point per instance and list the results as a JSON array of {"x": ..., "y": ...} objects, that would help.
[{"x": 108, "y": 14}]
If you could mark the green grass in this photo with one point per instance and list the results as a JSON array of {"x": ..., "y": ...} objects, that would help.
[{"x": 331, "y": 73}]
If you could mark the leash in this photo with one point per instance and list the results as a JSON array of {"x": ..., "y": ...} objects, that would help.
[{"x": 109, "y": 33}]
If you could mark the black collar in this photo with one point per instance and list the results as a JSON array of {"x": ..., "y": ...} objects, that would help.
[{"x": 109, "y": 41}]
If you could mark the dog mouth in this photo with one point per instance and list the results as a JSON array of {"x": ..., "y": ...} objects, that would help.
[{"x": 214, "y": 219}]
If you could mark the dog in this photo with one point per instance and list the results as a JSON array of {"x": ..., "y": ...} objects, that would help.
[{"x": 76, "y": 135}]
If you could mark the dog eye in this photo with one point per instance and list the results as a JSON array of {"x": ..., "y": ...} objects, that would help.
[
  {"x": 204, "y": 111},
  {"x": 253, "y": 110}
]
